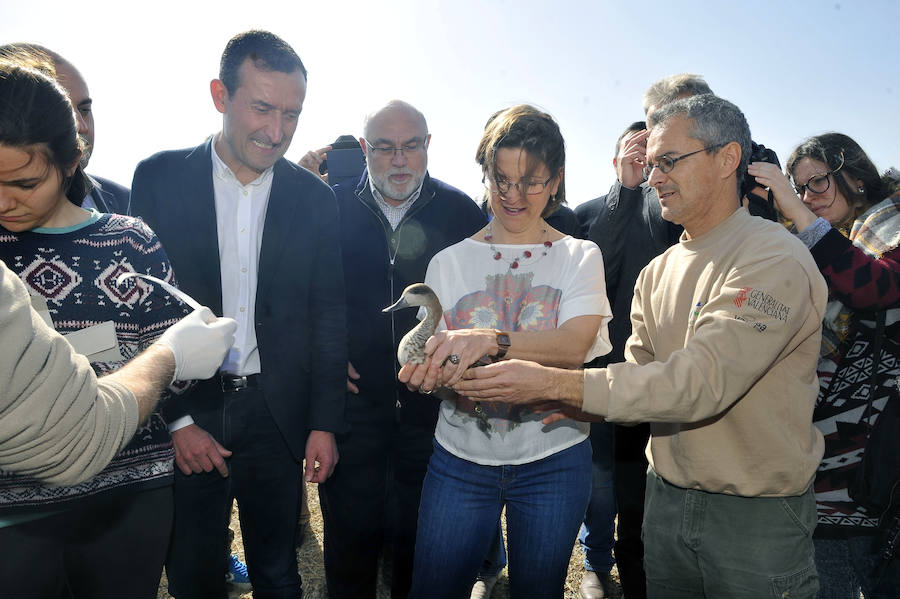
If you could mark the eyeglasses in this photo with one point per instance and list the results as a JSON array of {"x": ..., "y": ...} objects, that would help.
[
  {"x": 819, "y": 183},
  {"x": 414, "y": 147},
  {"x": 667, "y": 163},
  {"x": 531, "y": 187}
]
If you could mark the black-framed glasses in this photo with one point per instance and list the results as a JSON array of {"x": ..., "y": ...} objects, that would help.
[
  {"x": 531, "y": 187},
  {"x": 414, "y": 147},
  {"x": 819, "y": 183},
  {"x": 666, "y": 163}
]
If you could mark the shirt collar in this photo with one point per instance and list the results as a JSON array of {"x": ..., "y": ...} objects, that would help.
[
  {"x": 406, "y": 204},
  {"x": 223, "y": 172}
]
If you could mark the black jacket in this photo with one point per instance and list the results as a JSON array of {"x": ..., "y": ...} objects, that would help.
[
  {"x": 379, "y": 263},
  {"x": 628, "y": 226},
  {"x": 109, "y": 196},
  {"x": 299, "y": 318}
]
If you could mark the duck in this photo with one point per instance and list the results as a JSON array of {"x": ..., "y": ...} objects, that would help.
[{"x": 412, "y": 345}]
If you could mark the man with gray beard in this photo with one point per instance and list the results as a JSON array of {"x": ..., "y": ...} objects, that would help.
[{"x": 392, "y": 223}]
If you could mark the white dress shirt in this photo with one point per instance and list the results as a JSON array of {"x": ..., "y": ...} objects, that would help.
[{"x": 240, "y": 218}]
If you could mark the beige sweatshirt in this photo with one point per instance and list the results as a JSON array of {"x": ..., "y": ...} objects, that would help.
[
  {"x": 722, "y": 361},
  {"x": 57, "y": 421}
]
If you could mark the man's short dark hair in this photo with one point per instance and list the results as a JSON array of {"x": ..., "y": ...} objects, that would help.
[
  {"x": 266, "y": 50},
  {"x": 635, "y": 126}
]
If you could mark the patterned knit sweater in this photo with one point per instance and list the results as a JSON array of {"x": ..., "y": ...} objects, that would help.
[
  {"x": 863, "y": 278},
  {"x": 74, "y": 270}
]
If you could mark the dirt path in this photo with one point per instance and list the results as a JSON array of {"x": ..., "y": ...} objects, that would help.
[{"x": 312, "y": 571}]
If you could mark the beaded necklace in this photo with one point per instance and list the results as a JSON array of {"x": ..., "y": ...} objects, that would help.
[{"x": 525, "y": 255}]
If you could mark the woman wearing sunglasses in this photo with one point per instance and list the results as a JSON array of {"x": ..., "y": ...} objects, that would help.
[{"x": 843, "y": 212}]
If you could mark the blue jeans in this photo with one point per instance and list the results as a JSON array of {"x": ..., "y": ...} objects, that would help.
[
  {"x": 847, "y": 566},
  {"x": 597, "y": 534},
  {"x": 461, "y": 503},
  {"x": 495, "y": 560},
  {"x": 710, "y": 545}
]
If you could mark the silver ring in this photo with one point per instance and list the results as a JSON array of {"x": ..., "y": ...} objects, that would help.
[
  {"x": 428, "y": 392},
  {"x": 454, "y": 359}
]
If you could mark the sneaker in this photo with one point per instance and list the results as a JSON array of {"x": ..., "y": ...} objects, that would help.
[
  {"x": 595, "y": 586},
  {"x": 483, "y": 587},
  {"x": 236, "y": 578}
]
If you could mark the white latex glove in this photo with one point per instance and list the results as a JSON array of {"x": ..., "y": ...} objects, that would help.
[{"x": 199, "y": 342}]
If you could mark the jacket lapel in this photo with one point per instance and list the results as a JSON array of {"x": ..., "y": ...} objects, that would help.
[
  {"x": 199, "y": 219},
  {"x": 279, "y": 224}
]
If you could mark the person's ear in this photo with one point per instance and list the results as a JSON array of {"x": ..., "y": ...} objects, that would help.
[
  {"x": 729, "y": 158},
  {"x": 219, "y": 94}
]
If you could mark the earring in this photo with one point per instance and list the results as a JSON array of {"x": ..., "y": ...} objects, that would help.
[{"x": 860, "y": 189}]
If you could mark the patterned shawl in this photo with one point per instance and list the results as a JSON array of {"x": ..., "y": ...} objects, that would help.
[{"x": 875, "y": 232}]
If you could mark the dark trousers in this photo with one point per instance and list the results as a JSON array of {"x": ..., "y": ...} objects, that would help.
[
  {"x": 597, "y": 534},
  {"x": 265, "y": 479},
  {"x": 630, "y": 485},
  {"x": 379, "y": 457},
  {"x": 108, "y": 548}
]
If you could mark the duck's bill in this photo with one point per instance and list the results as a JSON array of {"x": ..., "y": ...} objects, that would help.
[{"x": 401, "y": 303}]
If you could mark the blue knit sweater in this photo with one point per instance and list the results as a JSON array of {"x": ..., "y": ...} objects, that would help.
[{"x": 74, "y": 270}]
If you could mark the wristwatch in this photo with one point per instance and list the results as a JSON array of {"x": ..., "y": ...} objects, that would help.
[{"x": 502, "y": 344}]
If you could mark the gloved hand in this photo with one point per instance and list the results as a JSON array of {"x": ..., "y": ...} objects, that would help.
[{"x": 199, "y": 342}]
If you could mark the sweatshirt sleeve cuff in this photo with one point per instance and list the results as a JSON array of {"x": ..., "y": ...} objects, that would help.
[
  {"x": 596, "y": 392},
  {"x": 130, "y": 412}
]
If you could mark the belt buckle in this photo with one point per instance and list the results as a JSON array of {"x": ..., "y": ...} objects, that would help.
[{"x": 233, "y": 382}]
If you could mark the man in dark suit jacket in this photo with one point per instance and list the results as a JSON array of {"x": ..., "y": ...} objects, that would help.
[
  {"x": 251, "y": 234},
  {"x": 106, "y": 196}
]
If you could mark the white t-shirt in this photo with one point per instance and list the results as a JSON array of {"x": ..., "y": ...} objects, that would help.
[{"x": 477, "y": 291}]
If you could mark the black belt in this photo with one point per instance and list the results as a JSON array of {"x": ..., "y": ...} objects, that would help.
[{"x": 232, "y": 382}]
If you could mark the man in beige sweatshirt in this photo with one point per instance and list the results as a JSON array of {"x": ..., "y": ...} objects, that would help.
[
  {"x": 721, "y": 362},
  {"x": 58, "y": 421}
]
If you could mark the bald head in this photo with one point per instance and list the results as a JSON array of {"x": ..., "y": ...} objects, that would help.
[
  {"x": 395, "y": 141},
  {"x": 393, "y": 111},
  {"x": 70, "y": 78}
]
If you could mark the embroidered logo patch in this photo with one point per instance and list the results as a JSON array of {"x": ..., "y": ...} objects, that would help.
[
  {"x": 695, "y": 312},
  {"x": 762, "y": 302},
  {"x": 741, "y": 296}
]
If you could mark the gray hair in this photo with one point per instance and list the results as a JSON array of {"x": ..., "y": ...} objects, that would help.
[
  {"x": 717, "y": 122},
  {"x": 668, "y": 89}
]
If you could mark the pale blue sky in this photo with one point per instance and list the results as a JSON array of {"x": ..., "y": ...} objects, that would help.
[{"x": 795, "y": 68}]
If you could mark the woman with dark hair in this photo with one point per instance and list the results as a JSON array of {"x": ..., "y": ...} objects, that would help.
[
  {"x": 106, "y": 537},
  {"x": 847, "y": 216},
  {"x": 516, "y": 289}
]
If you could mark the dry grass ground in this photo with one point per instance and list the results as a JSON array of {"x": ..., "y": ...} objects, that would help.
[{"x": 309, "y": 561}]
